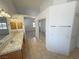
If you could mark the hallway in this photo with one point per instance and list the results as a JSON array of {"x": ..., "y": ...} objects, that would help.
[
  {"x": 35, "y": 49},
  {"x": 24, "y": 21}
]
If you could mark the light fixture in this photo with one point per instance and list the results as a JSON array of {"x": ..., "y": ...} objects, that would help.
[
  {"x": 4, "y": 14},
  {"x": 7, "y": 15}
]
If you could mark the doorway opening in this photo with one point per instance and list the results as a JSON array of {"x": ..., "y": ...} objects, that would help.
[
  {"x": 29, "y": 27},
  {"x": 42, "y": 29}
]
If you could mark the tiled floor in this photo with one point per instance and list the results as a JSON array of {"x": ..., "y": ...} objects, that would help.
[{"x": 35, "y": 49}]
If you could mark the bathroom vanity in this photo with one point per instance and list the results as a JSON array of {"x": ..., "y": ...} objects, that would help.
[{"x": 14, "y": 48}]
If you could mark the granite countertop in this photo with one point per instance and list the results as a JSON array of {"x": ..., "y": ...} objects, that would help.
[
  {"x": 14, "y": 44},
  {"x": 5, "y": 40}
]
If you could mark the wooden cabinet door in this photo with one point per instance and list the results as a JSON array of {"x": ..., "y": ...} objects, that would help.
[
  {"x": 13, "y": 55},
  {"x": 0, "y": 57}
]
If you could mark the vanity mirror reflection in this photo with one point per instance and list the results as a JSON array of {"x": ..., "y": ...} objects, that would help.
[
  {"x": 3, "y": 26},
  {"x": 16, "y": 24},
  {"x": 4, "y": 30}
]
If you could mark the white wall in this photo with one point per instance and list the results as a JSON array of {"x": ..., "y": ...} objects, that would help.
[
  {"x": 7, "y": 6},
  {"x": 75, "y": 31},
  {"x": 42, "y": 15},
  {"x": 37, "y": 28}
]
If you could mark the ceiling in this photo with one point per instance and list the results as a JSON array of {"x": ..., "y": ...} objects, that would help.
[
  {"x": 29, "y": 7},
  {"x": 32, "y": 7}
]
